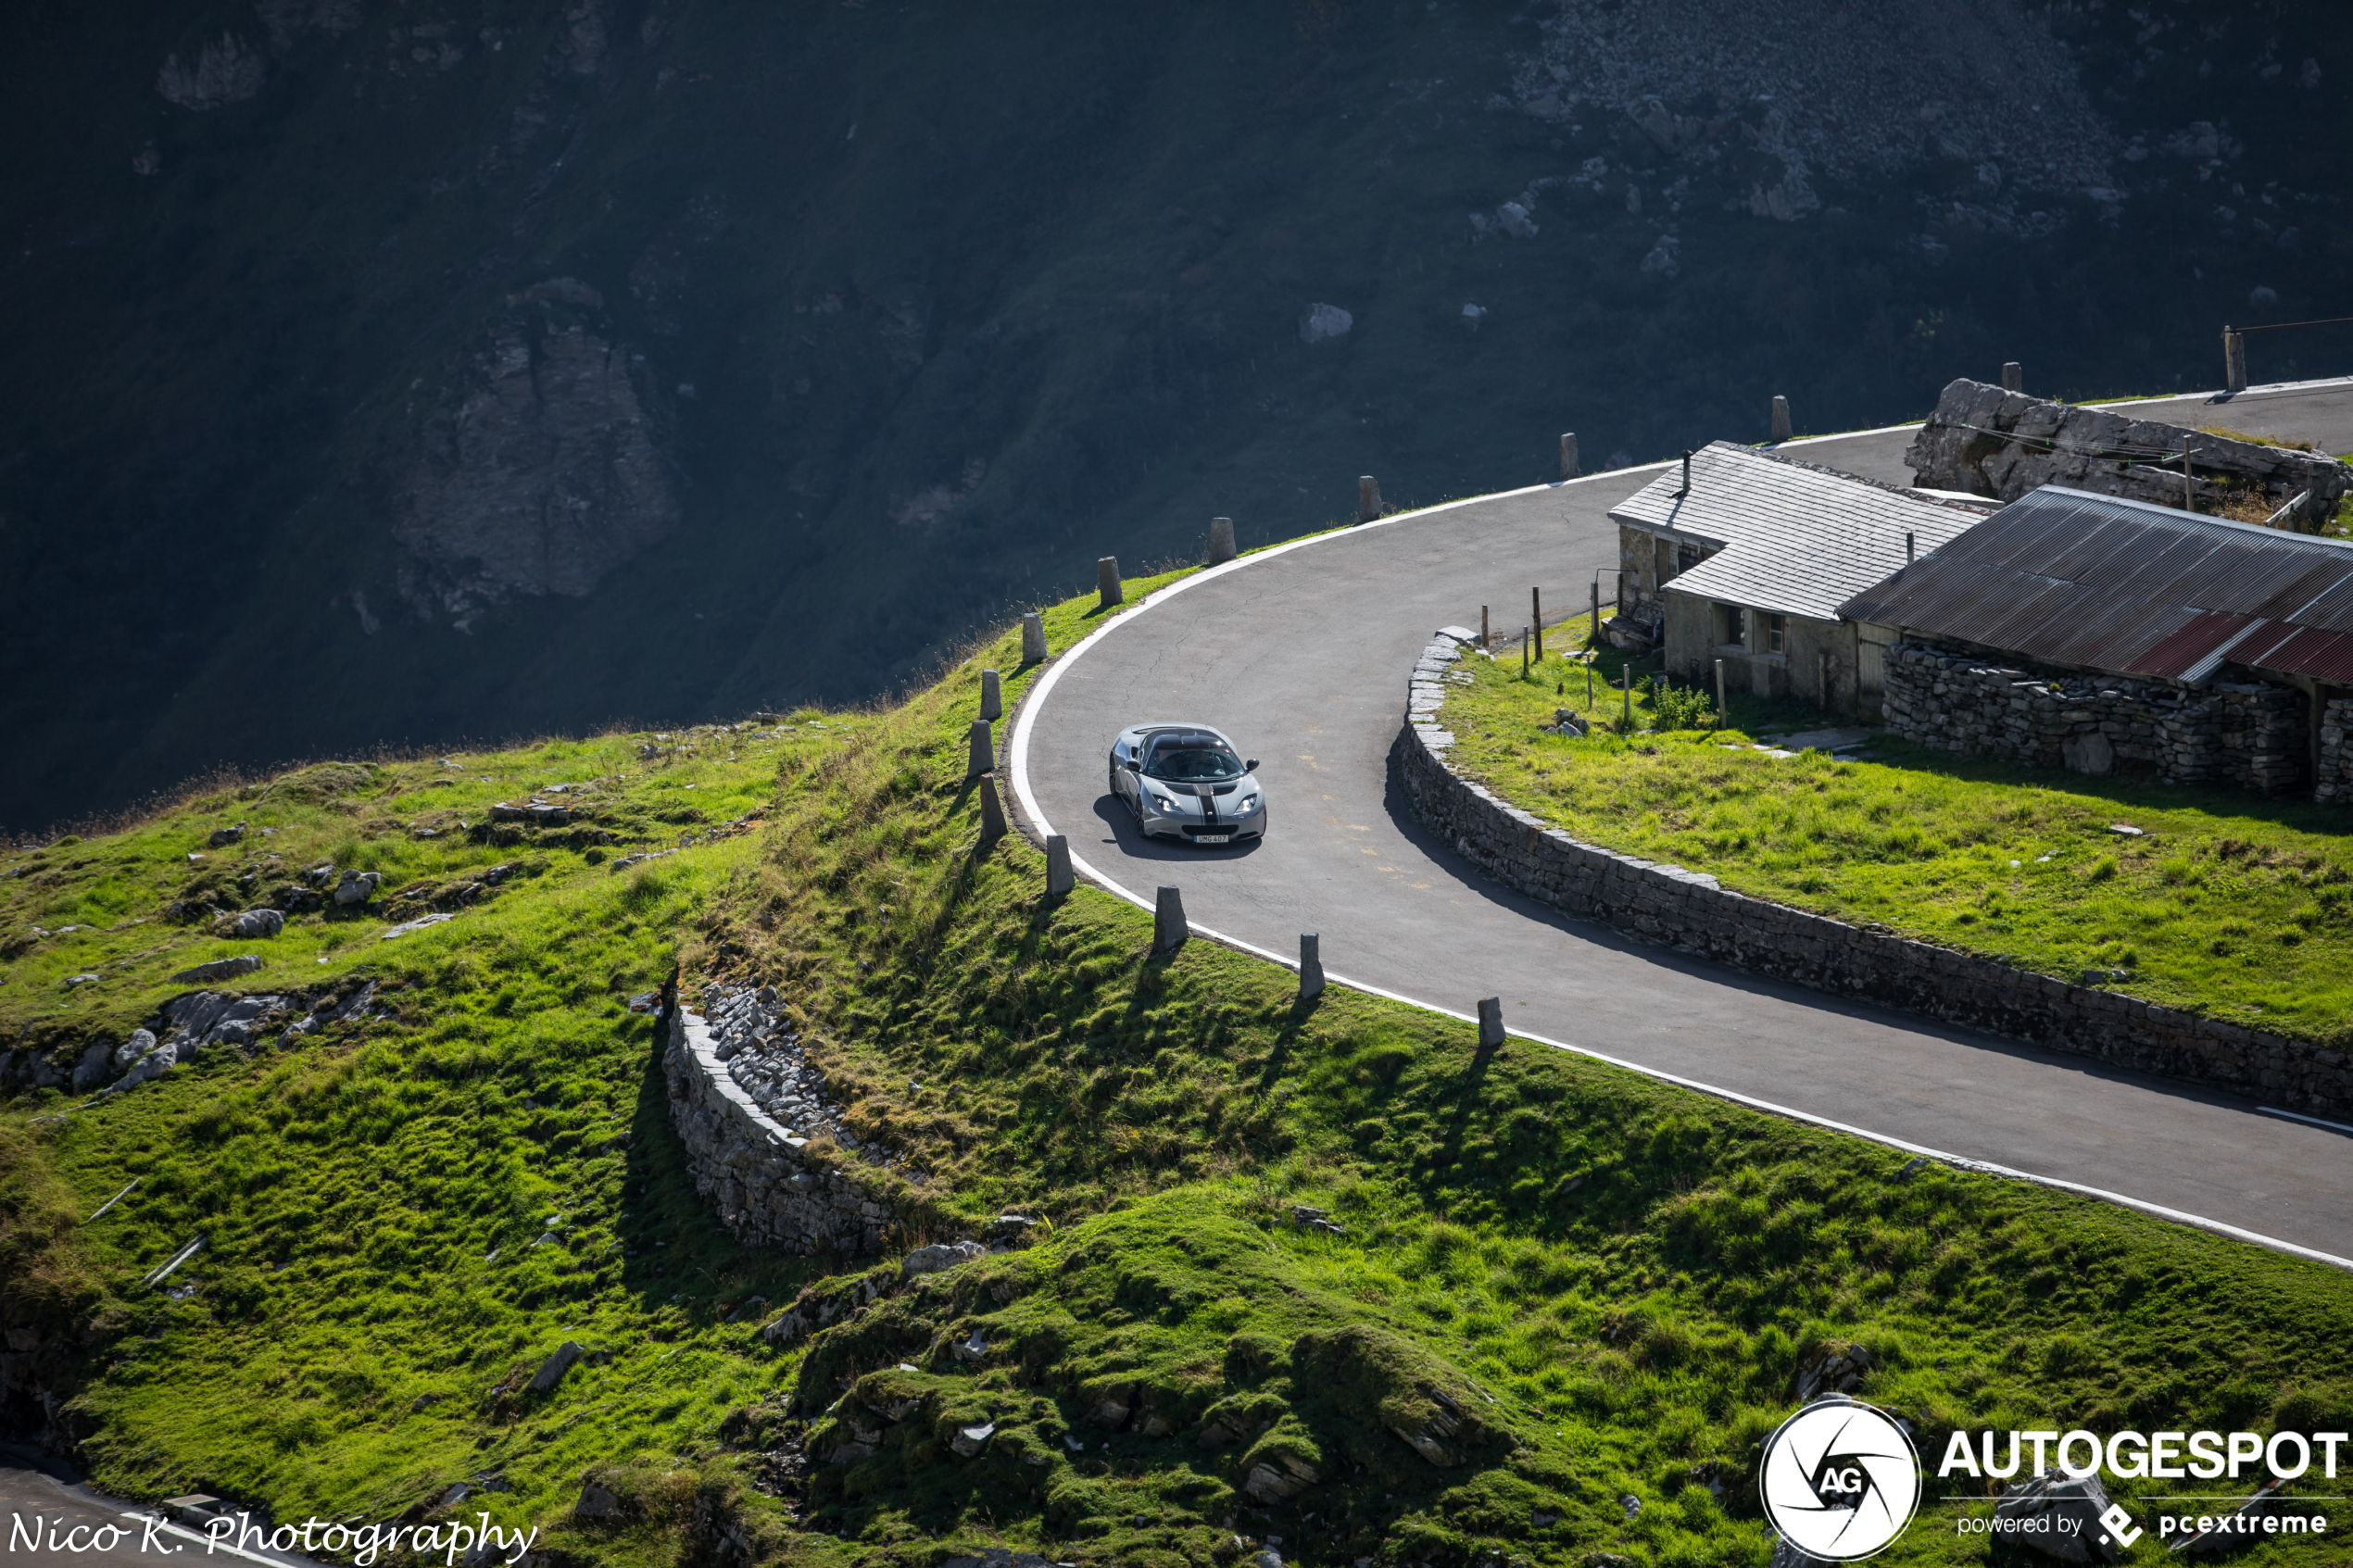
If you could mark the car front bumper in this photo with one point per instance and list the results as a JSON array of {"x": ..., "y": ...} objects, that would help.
[{"x": 1189, "y": 825}]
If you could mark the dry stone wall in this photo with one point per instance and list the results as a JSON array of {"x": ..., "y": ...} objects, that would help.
[
  {"x": 1688, "y": 911},
  {"x": 2251, "y": 733},
  {"x": 2332, "y": 769},
  {"x": 769, "y": 1189}
]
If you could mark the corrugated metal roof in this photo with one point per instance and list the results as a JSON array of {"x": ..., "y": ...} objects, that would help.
[
  {"x": 1791, "y": 537},
  {"x": 2066, "y": 577}
]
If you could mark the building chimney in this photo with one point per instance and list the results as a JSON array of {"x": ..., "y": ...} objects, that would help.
[
  {"x": 1687, "y": 474},
  {"x": 1908, "y": 547}
]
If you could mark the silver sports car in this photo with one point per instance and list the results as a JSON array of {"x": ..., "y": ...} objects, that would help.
[{"x": 1187, "y": 782}]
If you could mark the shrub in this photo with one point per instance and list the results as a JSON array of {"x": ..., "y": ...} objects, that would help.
[{"x": 1684, "y": 708}]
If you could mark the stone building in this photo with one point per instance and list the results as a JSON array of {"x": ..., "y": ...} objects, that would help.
[
  {"x": 1745, "y": 557},
  {"x": 2106, "y": 634}
]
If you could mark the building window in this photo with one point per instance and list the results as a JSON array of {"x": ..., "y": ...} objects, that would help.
[
  {"x": 1686, "y": 557},
  {"x": 1777, "y": 634},
  {"x": 1731, "y": 625}
]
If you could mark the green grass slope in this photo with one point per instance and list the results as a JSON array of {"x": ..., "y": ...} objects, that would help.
[{"x": 1588, "y": 1294}]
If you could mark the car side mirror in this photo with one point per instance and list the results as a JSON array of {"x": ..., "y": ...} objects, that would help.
[
  {"x": 1134, "y": 766},
  {"x": 1251, "y": 766}
]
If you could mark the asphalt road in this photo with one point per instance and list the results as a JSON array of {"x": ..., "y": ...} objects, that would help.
[{"x": 1303, "y": 655}]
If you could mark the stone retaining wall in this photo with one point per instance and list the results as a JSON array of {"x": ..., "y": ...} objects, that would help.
[
  {"x": 769, "y": 1191},
  {"x": 2252, "y": 735},
  {"x": 1688, "y": 911}
]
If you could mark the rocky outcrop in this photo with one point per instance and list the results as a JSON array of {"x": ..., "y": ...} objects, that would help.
[
  {"x": 541, "y": 476},
  {"x": 228, "y": 70},
  {"x": 1990, "y": 442},
  {"x": 770, "y": 1187},
  {"x": 1874, "y": 92},
  {"x": 183, "y": 1029},
  {"x": 1688, "y": 911}
]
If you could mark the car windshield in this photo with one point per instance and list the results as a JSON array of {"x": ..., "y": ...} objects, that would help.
[{"x": 1193, "y": 759}]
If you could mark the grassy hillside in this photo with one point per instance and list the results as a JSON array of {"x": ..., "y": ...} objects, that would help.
[
  {"x": 1607, "y": 1289},
  {"x": 919, "y": 309}
]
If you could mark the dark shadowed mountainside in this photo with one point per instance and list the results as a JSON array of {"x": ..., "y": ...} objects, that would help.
[{"x": 397, "y": 373}]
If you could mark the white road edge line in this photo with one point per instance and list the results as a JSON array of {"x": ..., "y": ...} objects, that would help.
[
  {"x": 1034, "y": 699},
  {"x": 2299, "y": 1116}
]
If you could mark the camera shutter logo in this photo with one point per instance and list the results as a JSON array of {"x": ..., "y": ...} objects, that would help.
[{"x": 1841, "y": 1480}]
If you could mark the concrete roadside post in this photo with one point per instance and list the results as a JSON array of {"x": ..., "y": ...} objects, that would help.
[
  {"x": 1169, "y": 928},
  {"x": 2233, "y": 360},
  {"x": 1367, "y": 498},
  {"x": 1059, "y": 879},
  {"x": 1221, "y": 540},
  {"x": 1108, "y": 590},
  {"x": 992, "y": 695},
  {"x": 992, "y": 810},
  {"x": 1033, "y": 639},
  {"x": 1780, "y": 417},
  {"x": 1311, "y": 965},
  {"x": 1491, "y": 1023},
  {"x": 1568, "y": 455},
  {"x": 981, "y": 758},
  {"x": 2013, "y": 376},
  {"x": 1719, "y": 694}
]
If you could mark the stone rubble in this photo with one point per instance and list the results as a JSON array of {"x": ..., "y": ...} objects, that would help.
[
  {"x": 186, "y": 1026},
  {"x": 749, "y": 1034}
]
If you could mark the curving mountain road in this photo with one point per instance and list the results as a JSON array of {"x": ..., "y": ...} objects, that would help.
[{"x": 1302, "y": 652}]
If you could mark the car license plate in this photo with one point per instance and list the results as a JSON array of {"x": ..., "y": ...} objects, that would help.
[{"x": 1213, "y": 838}]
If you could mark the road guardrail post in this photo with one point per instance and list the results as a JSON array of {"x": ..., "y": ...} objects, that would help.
[
  {"x": 1491, "y": 1022},
  {"x": 992, "y": 811},
  {"x": 1221, "y": 540},
  {"x": 1033, "y": 639},
  {"x": 1108, "y": 589},
  {"x": 1169, "y": 928},
  {"x": 992, "y": 695},
  {"x": 1311, "y": 965},
  {"x": 980, "y": 758},
  {"x": 1059, "y": 879}
]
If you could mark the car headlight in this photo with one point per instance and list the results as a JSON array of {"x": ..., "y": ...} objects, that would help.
[
  {"x": 1162, "y": 802},
  {"x": 1249, "y": 804}
]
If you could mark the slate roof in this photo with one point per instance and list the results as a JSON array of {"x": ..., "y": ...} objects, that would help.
[
  {"x": 2102, "y": 583},
  {"x": 1797, "y": 538}
]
